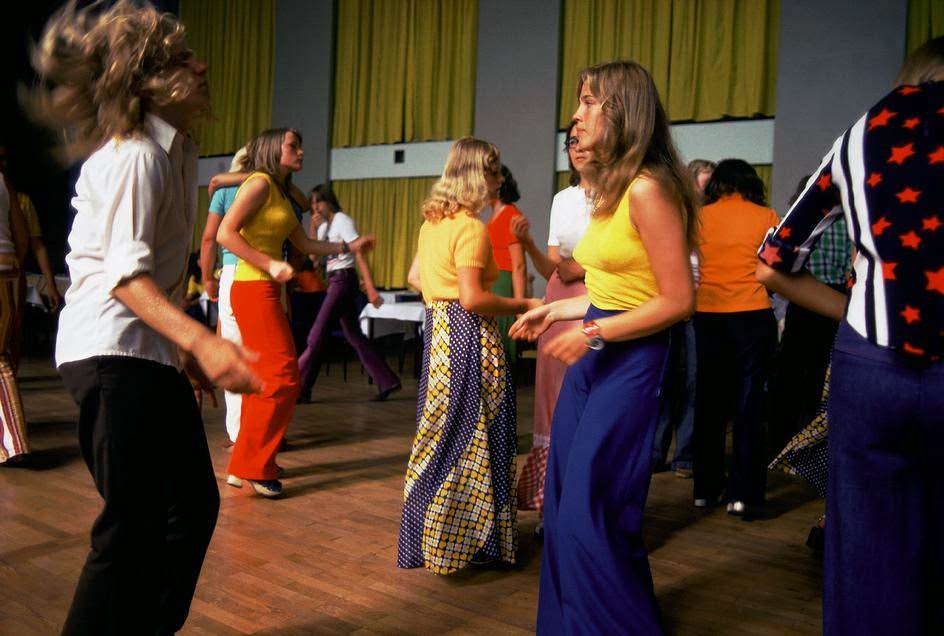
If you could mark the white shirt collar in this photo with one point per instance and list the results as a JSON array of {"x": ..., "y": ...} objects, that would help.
[{"x": 160, "y": 131}]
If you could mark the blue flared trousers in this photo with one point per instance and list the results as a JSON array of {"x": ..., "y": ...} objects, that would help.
[
  {"x": 884, "y": 561},
  {"x": 595, "y": 576}
]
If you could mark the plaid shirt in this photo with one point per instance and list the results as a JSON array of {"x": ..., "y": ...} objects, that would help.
[{"x": 831, "y": 260}]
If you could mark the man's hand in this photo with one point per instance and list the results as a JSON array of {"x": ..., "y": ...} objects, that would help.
[
  {"x": 363, "y": 243},
  {"x": 198, "y": 380},
  {"x": 374, "y": 298},
  {"x": 225, "y": 365},
  {"x": 55, "y": 300}
]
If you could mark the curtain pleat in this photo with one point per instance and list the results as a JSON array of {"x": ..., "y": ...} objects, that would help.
[
  {"x": 236, "y": 38},
  {"x": 390, "y": 210},
  {"x": 709, "y": 59},
  {"x": 404, "y": 71}
]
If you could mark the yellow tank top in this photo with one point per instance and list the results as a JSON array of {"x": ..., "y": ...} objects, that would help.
[
  {"x": 267, "y": 230},
  {"x": 618, "y": 276}
]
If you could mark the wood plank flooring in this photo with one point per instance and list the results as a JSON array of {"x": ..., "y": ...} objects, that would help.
[{"x": 322, "y": 560}]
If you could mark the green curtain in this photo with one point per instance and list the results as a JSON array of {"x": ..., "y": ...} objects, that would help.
[
  {"x": 390, "y": 210},
  {"x": 404, "y": 71},
  {"x": 709, "y": 58},
  {"x": 236, "y": 38},
  {"x": 562, "y": 181},
  {"x": 765, "y": 171},
  {"x": 925, "y": 21}
]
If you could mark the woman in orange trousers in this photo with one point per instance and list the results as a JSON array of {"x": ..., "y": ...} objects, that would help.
[{"x": 255, "y": 228}]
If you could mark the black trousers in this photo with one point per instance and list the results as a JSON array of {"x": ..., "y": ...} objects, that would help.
[
  {"x": 796, "y": 383},
  {"x": 142, "y": 438},
  {"x": 734, "y": 351}
]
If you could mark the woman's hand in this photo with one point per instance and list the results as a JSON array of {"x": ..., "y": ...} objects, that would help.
[
  {"x": 281, "y": 271},
  {"x": 520, "y": 227},
  {"x": 531, "y": 324},
  {"x": 363, "y": 243},
  {"x": 568, "y": 347}
]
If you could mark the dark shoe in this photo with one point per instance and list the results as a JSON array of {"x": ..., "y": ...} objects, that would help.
[
  {"x": 383, "y": 395},
  {"x": 816, "y": 540},
  {"x": 683, "y": 473},
  {"x": 18, "y": 461},
  {"x": 659, "y": 467},
  {"x": 269, "y": 488},
  {"x": 303, "y": 398}
]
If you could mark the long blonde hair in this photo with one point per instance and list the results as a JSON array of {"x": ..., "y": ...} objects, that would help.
[
  {"x": 635, "y": 140},
  {"x": 99, "y": 69},
  {"x": 462, "y": 184},
  {"x": 925, "y": 63}
]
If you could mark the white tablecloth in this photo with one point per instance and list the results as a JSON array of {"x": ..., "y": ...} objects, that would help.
[
  {"x": 392, "y": 317},
  {"x": 35, "y": 283}
]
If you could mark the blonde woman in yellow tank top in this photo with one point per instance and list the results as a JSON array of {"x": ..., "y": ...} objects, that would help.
[
  {"x": 595, "y": 573},
  {"x": 254, "y": 229}
]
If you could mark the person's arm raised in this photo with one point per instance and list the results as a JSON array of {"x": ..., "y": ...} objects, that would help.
[{"x": 545, "y": 264}]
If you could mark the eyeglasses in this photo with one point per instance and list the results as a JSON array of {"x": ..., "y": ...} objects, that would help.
[{"x": 571, "y": 142}]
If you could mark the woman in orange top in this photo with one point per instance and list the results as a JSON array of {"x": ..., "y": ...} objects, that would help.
[
  {"x": 736, "y": 334},
  {"x": 254, "y": 229},
  {"x": 508, "y": 254}
]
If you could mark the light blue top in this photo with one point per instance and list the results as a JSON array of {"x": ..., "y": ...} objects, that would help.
[{"x": 219, "y": 205}]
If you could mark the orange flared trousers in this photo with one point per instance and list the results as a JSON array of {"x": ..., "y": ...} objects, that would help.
[{"x": 265, "y": 415}]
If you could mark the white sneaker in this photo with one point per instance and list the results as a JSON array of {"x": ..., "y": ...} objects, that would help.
[{"x": 234, "y": 481}]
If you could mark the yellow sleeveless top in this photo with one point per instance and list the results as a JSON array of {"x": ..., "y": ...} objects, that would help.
[
  {"x": 618, "y": 276},
  {"x": 267, "y": 230}
]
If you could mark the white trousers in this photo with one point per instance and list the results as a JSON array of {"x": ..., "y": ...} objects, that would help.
[{"x": 230, "y": 330}]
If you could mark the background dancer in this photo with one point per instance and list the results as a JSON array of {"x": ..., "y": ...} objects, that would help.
[{"x": 339, "y": 303}]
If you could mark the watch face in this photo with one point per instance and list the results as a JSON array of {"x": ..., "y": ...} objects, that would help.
[{"x": 595, "y": 342}]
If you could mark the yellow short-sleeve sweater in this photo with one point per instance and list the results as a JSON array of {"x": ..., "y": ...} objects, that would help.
[{"x": 446, "y": 245}]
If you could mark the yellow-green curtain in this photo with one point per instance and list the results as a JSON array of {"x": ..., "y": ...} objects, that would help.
[
  {"x": 236, "y": 38},
  {"x": 709, "y": 59},
  {"x": 404, "y": 71},
  {"x": 765, "y": 171},
  {"x": 562, "y": 181},
  {"x": 925, "y": 21},
  {"x": 390, "y": 210},
  {"x": 203, "y": 208}
]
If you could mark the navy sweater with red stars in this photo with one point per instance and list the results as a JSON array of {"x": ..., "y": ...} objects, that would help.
[{"x": 886, "y": 175}]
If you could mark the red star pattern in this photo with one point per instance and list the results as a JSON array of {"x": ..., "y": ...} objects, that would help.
[
  {"x": 940, "y": 111},
  {"x": 911, "y": 314},
  {"x": 912, "y": 123},
  {"x": 888, "y": 271},
  {"x": 770, "y": 254},
  {"x": 908, "y": 195},
  {"x": 931, "y": 223},
  {"x": 909, "y": 348},
  {"x": 908, "y": 90},
  {"x": 900, "y": 153},
  {"x": 874, "y": 179},
  {"x": 785, "y": 232},
  {"x": 881, "y": 119},
  {"x": 937, "y": 156},
  {"x": 825, "y": 181},
  {"x": 880, "y": 226},
  {"x": 910, "y": 239},
  {"x": 936, "y": 280}
]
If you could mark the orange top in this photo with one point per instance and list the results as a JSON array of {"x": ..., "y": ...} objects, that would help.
[
  {"x": 732, "y": 230},
  {"x": 500, "y": 235}
]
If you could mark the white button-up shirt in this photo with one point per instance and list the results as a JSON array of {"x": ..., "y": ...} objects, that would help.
[{"x": 135, "y": 210}]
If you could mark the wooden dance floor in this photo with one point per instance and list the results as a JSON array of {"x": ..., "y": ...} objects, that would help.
[{"x": 322, "y": 560}]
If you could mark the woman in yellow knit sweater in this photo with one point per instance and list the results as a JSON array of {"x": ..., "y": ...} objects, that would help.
[
  {"x": 595, "y": 574},
  {"x": 459, "y": 500}
]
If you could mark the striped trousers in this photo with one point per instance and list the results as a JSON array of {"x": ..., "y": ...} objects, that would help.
[{"x": 12, "y": 422}]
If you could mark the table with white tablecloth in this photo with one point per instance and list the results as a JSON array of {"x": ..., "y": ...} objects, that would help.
[{"x": 391, "y": 317}]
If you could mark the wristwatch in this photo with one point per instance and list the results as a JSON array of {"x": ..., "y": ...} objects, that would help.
[
  {"x": 592, "y": 331},
  {"x": 345, "y": 248}
]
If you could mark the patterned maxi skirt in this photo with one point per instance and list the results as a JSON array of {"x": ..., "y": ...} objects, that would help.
[
  {"x": 459, "y": 499},
  {"x": 806, "y": 453}
]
